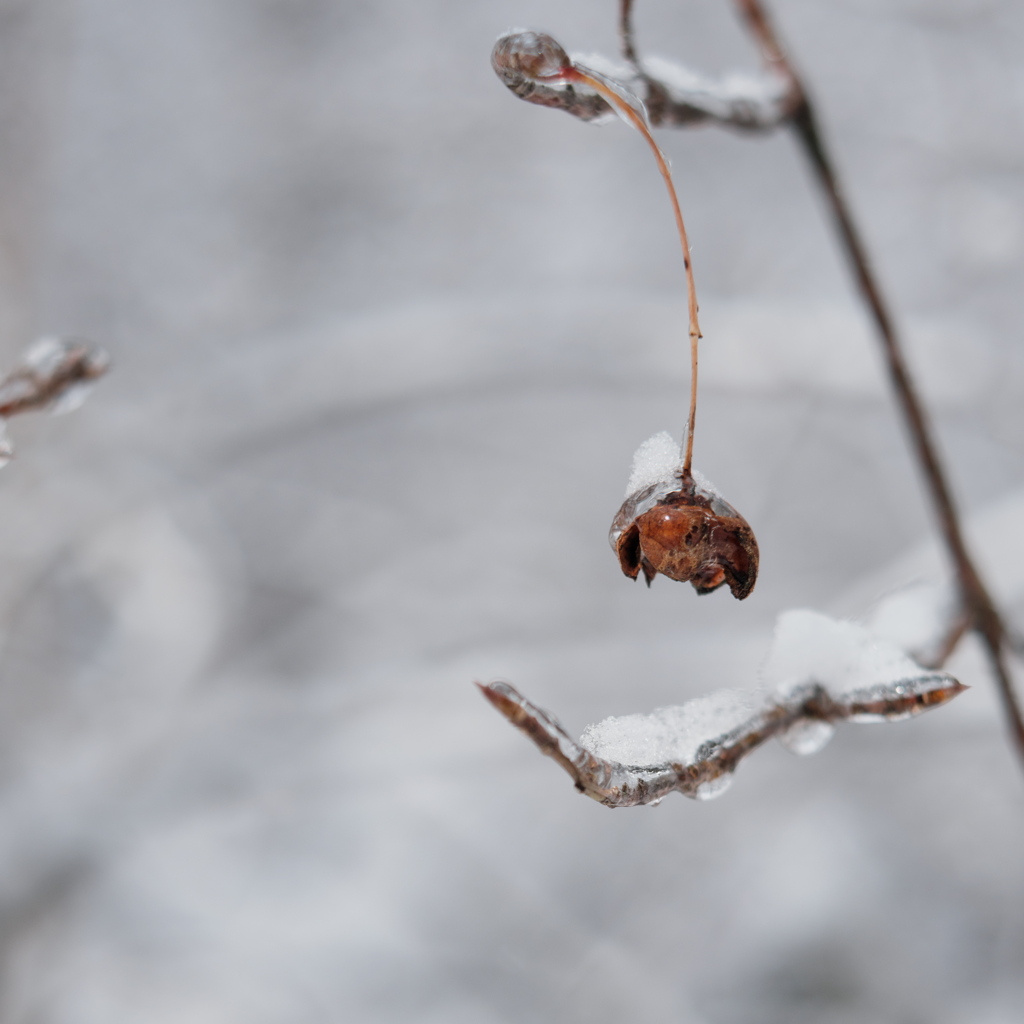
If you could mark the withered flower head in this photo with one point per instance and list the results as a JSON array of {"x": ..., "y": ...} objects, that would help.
[{"x": 682, "y": 528}]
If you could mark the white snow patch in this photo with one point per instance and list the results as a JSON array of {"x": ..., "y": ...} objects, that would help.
[
  {"x": 669, "y": 734},
  {"x": 914, "y": 618},
  {"x": 761, "y": 90},
  {"x": 841, "y": 656},
  {"x": 655, "y": 461}
]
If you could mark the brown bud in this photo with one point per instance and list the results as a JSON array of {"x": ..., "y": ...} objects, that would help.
[
  {"x": 689, "y": 534},
  {"x": 530, "y": 54}
]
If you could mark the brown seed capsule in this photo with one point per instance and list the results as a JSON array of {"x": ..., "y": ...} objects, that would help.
[
  {"x": 530, "y": 54},
  {"x": 687, "y": 532}
]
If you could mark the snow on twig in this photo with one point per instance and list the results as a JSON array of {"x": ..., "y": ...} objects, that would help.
[
  {"x": 672, "y": 95},
  {"x": 822, "y": 671}
]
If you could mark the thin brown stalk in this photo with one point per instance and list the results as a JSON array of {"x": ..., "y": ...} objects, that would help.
[
  {"x": 948, "y": 642},
  {"x": 637, "y": 121},
  {"x": 983, "y": 616}
]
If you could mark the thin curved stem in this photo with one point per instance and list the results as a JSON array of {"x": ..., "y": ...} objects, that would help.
[{"x": 609, "y": 94}]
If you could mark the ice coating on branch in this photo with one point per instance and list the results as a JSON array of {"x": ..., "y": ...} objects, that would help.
[
  {"x": 825, "y": 672},
  {"x": 738, "y": 97},
  {"x": 672, "y": 734},
  {"x": 656, "y": 461},
  {"x": 841, "y": 656},
  {"x": 737, "y": 85},
  {"x": 55, "y": 374},
  {"x": 807, "y": 736}
]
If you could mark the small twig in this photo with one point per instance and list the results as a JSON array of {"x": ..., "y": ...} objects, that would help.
[
  {"x": 626, "y": 32},
  {"x": 49, "y": 371},
  {"x": 984, "y": 618},
  {"x": 673, "y": 96},
  {"x": 620, "y": 785}
]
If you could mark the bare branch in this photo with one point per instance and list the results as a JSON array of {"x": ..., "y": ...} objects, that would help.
[
  {"x": 54, "y": 374},
  {"x": 706, "y": 774},
  {"x": 983, "y": 617},
  {"x": 673, "y": 95},
  {"x": 626, "y": 32},
  {"x": 50, "y": 373}
]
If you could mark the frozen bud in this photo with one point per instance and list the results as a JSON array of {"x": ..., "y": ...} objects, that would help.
[
  {"x": 529, "y": 54},
  {"x": 688, "y": 532}
]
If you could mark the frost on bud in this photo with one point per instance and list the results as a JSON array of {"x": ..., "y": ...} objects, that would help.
[
  {"x": 678, "y": 525},
  {"x": 529, "y": 54}
]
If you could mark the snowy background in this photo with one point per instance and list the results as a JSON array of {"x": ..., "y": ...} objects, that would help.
[{"x": 385, "y": 340}]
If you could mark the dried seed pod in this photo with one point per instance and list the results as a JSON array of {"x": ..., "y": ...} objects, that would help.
[{"x": 685, "y": 530}]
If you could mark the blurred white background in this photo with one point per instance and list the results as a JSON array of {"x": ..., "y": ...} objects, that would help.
[{"x": 385, "y": 339}]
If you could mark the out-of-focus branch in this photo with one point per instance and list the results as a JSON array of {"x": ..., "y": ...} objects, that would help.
[
  {"x": 620, "y": 785},
  {"x": 979, "y": 608},
  {"x": 51, "y": 370},
  {"x": 54, "y": 374}
]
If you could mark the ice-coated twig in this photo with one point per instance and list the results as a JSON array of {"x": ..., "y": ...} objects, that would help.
[
  {"x": 54, "y": 374},
  {"x": 621, "y": 785},
  {"x": 673, "y": 95},
  {"x": 51, "y": 371},
  {"x": 819, "y": 672}
]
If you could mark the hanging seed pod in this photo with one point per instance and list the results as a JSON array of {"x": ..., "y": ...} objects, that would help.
[{"x": 678, "y": 525}]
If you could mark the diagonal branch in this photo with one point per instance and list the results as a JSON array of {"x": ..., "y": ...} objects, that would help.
[{"x": 979, "y": 607}]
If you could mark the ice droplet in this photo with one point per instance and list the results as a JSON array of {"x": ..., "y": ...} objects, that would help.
[
  {"x": 71, "y": 398},
  {"x": 807, "y": 736},
  {"x": 714, "y": 787}
]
